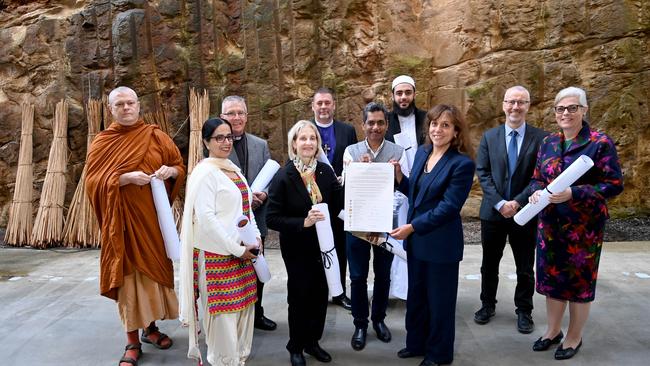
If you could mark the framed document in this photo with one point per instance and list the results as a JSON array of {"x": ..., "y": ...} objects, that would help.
[{"x": 369, "y": 197}]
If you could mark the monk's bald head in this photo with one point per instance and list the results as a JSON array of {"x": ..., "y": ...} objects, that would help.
[{"x": 124, "y": 105}]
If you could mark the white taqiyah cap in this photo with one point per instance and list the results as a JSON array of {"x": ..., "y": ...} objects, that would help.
[{"x": 403, "y": 79}]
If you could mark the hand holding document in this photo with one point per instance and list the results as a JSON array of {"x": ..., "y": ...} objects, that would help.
[
  {"x": 265, "y": 176},
  {"x": 559, "y": 184},
  {"x": 165, "y": 219},
  {"x": 369, "y": 197},
  {"x": 328, "y": 252}
]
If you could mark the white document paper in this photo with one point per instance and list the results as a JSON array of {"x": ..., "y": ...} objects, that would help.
[
  {"x": 409, "y": 151},
  {"x": 559, "y": 184},
  {"x": 399, "y": 269},
  {"x": 369, "y": 197},
  {"x": 261, "y": 268},
  {"x": 247, "y": 234},
  {"x": 165, "y": 219},
  {"x": 265, "y": 176},
  {"x": 328, "y": 252}
]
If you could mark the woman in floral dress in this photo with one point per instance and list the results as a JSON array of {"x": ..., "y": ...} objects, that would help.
[{"x": 570, "y": 229}]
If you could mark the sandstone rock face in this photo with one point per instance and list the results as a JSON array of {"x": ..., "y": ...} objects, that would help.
[{"x": 276, "y": 52}]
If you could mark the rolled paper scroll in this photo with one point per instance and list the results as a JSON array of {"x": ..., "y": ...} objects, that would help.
[
  {"x": 328, "y": 251},
  {"x": 559, "y": 184},
  {"x": 394, "y": 246},
  {"x": 261, "y": 268},
  {"x": 165, "y": 219},
  {"x": 265, "y": 176},
  {"x": 247, "y": 234},
  {"x": 323, "y": 158}
]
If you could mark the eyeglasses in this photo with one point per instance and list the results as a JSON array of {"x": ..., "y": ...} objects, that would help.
[
  {"x": 238, "y": 114},
  {"x": 221, "y": 138},
  {"x": 513, "y": 102},
  {"x": 571, "y": 108}
]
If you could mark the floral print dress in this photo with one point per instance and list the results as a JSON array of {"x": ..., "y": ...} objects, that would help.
[{"x": 570, "y": 234}]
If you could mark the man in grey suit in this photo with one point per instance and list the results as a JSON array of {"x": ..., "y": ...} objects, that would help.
[
  {"x": 504, "y": 165},
  {"x": 249, "y": 153}
]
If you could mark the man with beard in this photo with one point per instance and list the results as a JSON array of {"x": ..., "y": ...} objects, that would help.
[
  {"x": 249, "y": 153},
  {"x": 336, "y": 136},
  {"x": 405, "y": 118}
]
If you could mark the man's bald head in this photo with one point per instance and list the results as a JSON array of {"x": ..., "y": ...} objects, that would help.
[{"x": 124, "y": 105}]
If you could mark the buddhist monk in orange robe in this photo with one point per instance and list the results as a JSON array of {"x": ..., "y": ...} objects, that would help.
[{"x": 134, "y": 268}]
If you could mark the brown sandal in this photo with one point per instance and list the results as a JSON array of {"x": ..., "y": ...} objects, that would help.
[
  {"x": 159, "y": 342},
  {"x": 130, "y": 360}
]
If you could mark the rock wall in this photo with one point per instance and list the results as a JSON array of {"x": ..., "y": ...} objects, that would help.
[{"x": 276, "y": 52}]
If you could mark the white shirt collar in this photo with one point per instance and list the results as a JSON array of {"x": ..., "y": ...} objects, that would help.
[{"x": 324, "y": 125}]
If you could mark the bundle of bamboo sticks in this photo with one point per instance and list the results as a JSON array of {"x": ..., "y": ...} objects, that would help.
[
  {"x": 19, "y": 226},
  {"x": 48, "y": 226},
  {"x": 199, "y": 112},
  {"x": 81, "y": 228}
]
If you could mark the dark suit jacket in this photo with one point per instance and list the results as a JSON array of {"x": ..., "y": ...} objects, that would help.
[
  {"x": 420, "y": 130},
  {"x": 345, "y": 136},
  {"x": 258, "y": 154},
  {"x": 492, "y": 168},
  {"x": 289, "y": 204},
  {"x": 435, "y": 211}
]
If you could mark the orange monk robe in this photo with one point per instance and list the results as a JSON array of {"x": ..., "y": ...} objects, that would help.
[{"x": 130, "y": 235}]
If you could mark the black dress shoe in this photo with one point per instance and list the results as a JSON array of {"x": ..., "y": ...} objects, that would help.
[
  {"x": 265, "y": 323},
  {"x": 359, "y": 339},
  {"x": 544, "y": 344},
  {"x": 383, "y": 334},
  {"x": 566, "y": 353},
  {"x": 525, "y": 323},
  {"x": 342, "y": 301},
  {"x": 318, "y": 353},
  {"x": 407, "y": 353},
  {"x": 297, "y": 359},
  {"x": 483, "y": 315}
]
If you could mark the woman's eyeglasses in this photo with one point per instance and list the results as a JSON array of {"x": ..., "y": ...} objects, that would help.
[
  {"x": 221, "y": 138},
  {"x": 571, "y": 108}
]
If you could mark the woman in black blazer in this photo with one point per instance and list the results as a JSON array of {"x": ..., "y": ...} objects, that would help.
[
  {"x": 301, "y": 183},
  {"x": 439, "y": 184}
]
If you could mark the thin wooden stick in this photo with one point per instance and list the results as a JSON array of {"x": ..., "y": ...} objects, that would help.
[
  {"x": 81, "y": 227},
  {"x": 48, "y": 226},
  {"x": 19, "y": 226}
]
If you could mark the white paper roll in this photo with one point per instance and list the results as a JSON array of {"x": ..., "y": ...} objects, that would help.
[
  {"x": 559, "y": 184},
  {"x": 394, "y": 246},
  {"x": 246, "y": 232},
  {"x": 328, "y": 251},
  {"x": 261, "y": 268},
  {"x": 341, "y": 215},
  {"x": 165, "y": 219},
  {"x": 322, "y": 157},
  {"x": 265, "y": 176}
]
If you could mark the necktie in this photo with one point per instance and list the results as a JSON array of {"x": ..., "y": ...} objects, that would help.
[{"x": 512, "y": 158}]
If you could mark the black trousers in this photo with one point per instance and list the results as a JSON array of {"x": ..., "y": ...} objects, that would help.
[
  {"x": 522, "y": 243},
  {"x": 431, "y": 309}
]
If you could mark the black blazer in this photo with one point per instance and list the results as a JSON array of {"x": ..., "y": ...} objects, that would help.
[
  {"x": 288, "y": 206},
  {"x": 434, "y": 211},
  {"x": 345, "y": 136},
  {"x": 420, "y": 130},
  {"x": 492, "y": 168}
]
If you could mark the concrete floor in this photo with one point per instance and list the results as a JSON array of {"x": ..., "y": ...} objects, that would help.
[{"x": 51, "y": 314}]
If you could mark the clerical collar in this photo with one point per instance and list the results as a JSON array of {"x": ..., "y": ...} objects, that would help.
[
  {"x": 324, "y": 125},
  {"x": 237, "y": 138}
]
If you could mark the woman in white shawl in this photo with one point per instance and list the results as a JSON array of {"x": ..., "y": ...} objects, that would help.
[{"x": 215, "y": 266}]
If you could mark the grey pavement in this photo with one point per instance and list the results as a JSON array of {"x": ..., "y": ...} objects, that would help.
[{"x": 51, "y": 314}]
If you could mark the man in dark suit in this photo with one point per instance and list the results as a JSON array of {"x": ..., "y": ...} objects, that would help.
[
  {"x": 504, "y": 165},
  {"x": 249, "y": 153},
  {"x": 336, "y": 136},
  {"x": 406, "y": 118}
]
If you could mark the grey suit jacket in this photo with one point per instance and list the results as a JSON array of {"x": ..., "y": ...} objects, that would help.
[
  {"x": 258, "y": 154},
  {"x": 492, "y": 168}
]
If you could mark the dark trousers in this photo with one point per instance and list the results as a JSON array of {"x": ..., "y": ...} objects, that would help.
[
  {"x": 359, "y": 258},
  {"x": 431, "y": 309},
  {"x": 341, "y": 250},
  {"x": 307, "y": 297},
  {"x": 522, "y": 243},
  {"x": 259, "y": 310}
]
